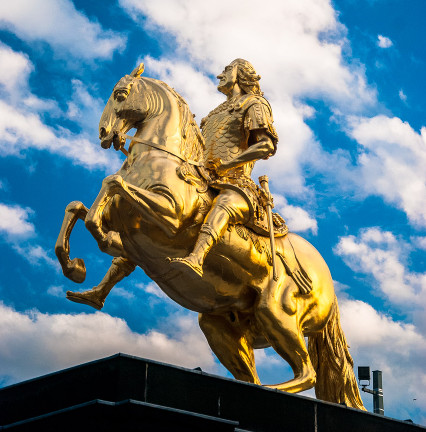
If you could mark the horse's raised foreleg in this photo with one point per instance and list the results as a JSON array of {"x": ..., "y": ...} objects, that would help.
[
  {"x": 160, "y": 207},
  {"x": 73, "y": 269},
  {"x": 283, "y": 332},
  {"x": 230, "y": 339},
  {"x": 108, "y": 242},
  {"x": 120, "y": 268}
]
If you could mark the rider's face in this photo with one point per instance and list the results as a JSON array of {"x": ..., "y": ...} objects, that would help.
[{"x": 227, "y": 79}]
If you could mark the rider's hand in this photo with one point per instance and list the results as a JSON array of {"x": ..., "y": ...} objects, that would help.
[
  {"x": 222, "y": 169},
  {"x": 214, "y": 164}
]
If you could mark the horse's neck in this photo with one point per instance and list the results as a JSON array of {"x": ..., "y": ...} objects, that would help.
[{"x": 162, "y": 124}]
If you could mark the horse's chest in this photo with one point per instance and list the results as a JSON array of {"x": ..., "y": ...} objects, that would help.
[{"x": 148, "y": 170}]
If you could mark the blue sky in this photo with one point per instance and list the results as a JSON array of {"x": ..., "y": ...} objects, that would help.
[{"x": 346, "y": 83}]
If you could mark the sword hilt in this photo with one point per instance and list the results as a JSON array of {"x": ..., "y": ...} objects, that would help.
[{"x": 264, "y": 184}]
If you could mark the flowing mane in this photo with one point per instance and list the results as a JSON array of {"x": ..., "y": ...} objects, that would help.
[{"x": 192, "y": 146}]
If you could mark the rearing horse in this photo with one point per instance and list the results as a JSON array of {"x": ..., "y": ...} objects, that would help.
[{"x": 153, "y": 208}]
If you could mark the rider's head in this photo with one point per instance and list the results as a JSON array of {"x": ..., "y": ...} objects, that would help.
[
  {"x": 239, "y": 72},
  {"x": 247, "y": 77}
]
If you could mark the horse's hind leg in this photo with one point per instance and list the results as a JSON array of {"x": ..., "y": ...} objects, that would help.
[
  {"x": 282, "y": 331},
  {"x": 72, "y": 269},
  {"x": 230, "y": 339}
]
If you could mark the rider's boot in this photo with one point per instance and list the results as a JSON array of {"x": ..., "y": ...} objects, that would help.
[
  {"x": 120, "y": 268},
  {"x": 195, "y": 259}
]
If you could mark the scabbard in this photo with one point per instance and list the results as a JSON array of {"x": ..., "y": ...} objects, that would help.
[{"x": 263, "y": 180}]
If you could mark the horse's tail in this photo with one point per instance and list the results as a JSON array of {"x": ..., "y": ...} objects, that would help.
[{"x": 333, "y": 364}]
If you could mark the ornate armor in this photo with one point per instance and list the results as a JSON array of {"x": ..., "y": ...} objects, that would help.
[{"x": 226, "y": 131}]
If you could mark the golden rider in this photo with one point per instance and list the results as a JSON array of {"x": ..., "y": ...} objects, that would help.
[{"x": 237, "y": 133}]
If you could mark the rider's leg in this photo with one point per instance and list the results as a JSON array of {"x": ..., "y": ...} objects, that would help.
[
  {"x": 228, "y": 207},
  {"x": 230, "y": 338},
  {"x": 120, "y": 268}
]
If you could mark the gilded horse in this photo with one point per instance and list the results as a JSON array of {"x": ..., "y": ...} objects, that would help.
[{"x": 152, "y": 208}]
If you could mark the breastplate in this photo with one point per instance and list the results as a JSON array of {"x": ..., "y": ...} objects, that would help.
[{"x": 224, "y": 133}]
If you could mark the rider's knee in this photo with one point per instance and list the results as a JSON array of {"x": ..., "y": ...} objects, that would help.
[{"x": 234, "y": 205}]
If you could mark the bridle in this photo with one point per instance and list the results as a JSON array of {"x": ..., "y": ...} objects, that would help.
[{"x": 158, "y": 147}]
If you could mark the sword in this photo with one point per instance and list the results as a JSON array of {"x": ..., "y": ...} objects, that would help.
[{"x": 263, "y": 180}]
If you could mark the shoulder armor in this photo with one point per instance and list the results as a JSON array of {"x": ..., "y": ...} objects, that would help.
[{"x": 247, "y": 100}]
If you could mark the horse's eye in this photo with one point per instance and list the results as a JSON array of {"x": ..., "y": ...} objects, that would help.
[{"x": 120, "y": 95}]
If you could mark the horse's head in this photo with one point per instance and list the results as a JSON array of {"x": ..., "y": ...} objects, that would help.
[{"x": 123, "y": 110}]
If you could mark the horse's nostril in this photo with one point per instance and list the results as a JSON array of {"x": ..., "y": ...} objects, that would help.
[{"x": 102, "y": 132}]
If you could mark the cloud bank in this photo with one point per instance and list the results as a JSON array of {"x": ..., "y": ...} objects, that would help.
[
  {"x": 60, "y": 25},
  {"x": 57, "y": 341}
]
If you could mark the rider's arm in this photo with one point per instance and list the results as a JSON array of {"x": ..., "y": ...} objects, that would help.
[
  {"x": 261, "y": 148},
  {"x": 262, "y": 137}
]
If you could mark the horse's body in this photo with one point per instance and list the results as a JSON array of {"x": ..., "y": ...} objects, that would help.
[{"x": 152, "y": 209}]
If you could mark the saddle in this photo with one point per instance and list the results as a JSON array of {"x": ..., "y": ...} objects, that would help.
[{"x": 287, "y": 256}]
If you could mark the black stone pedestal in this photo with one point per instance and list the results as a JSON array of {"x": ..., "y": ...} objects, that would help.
[{"x": 124, "y": 393}]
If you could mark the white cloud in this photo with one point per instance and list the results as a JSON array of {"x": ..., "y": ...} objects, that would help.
[
  {"x": 420, "y": 242},
  {"x": 153, "y": 289},
  {"x": 384, "y": 42},
  {"x": 402, "y": 95},
  {"x": 199, "y": 91},
  {"x": 23, "y": 129},
  {"x": 83, "y": 108},
  {"x": 297, "y": 219},
  {"x": 298, "y": 53},
  {"x": 307, "y": 32},
  {"x": 306, "y": 36},
  {"x": 58, "y": 23},
  {"x": 16, "y": 228},
  {"x": 265, "y": 359},
  {"x": 14, "y": 69},
  {"x": 392, "y": 163},
  {"x": 123, "y": 293},
  {"x": 396, "y": 348},
  {"x": 34, "y": 343},
  {"x": 14, "y": 221},
  {"x": 36, "y": 255},
  {"x": 382, "y": 256},
  {"x": 56, "y": 291}
]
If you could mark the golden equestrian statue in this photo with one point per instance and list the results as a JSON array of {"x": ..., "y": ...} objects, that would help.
[{"x": 184, "y": 208}]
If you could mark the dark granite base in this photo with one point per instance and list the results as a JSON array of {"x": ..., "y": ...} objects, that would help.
[{"x": 128, "y": 393}]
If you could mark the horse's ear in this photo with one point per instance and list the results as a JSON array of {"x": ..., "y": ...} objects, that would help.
[{"x": 138, "y": 71}]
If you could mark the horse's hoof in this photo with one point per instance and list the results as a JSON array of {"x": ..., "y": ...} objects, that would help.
[
  {"x": 89, "y": 298},
  {"x": 75, "y": 270},
  {"x": 183, "y": 264}
]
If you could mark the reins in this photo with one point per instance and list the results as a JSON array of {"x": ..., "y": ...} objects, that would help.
[{"x": 158, "y": 147}]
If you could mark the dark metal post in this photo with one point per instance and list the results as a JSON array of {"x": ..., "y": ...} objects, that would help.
[{"x": 378, "y": 393}]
